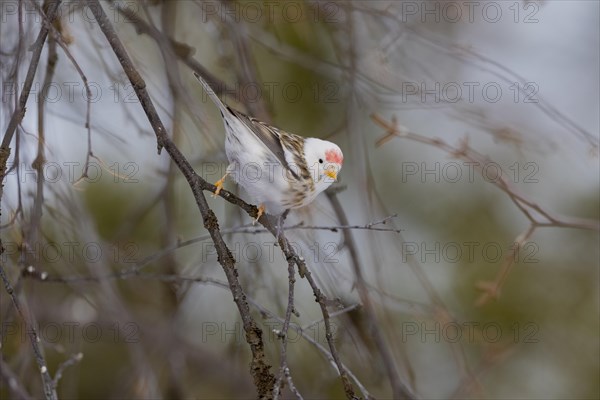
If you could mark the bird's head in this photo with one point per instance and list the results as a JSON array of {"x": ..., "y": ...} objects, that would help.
[{"x": 324, "y": 160}]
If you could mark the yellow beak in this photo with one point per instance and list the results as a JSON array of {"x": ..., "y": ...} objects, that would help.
[{"x": 331, "y": 173}]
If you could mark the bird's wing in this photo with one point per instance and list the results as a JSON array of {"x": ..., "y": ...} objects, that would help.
[
  {"x": 211, "y": 93},
  {"x": 269, "y": 136}
]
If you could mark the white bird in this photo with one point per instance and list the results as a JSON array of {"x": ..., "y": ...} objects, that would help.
[{"x": 279, "y": 170}]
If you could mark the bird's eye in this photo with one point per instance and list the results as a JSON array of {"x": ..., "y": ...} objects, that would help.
[{"x": 320, "y": 161}]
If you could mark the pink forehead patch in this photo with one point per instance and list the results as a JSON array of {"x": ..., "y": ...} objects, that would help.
[{"x": 334, "y": 156}]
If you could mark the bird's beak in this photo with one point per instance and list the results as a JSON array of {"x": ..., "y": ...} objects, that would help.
[{"x": 331, "y": 173}]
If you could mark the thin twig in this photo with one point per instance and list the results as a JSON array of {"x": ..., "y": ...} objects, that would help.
[
  {"x": 57, "y": 36},
  {"x": 49, "y": 390},
  {"x": 399, "y": 388},
  {"x": 371, "y": 226},
  {"x": 293, "y": 389},
  {"x": 40, "y": 159},
  {"x": 283, "y": 333},
  {"x": 74, "y": 359},
  {"x": 332, "y": 315},
  {"x": 491, "y": 290}
]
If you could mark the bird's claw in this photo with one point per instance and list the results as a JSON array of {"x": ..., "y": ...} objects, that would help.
[
  {"x": 219, "y": 185},
  {"x": 261, "y": 211}
]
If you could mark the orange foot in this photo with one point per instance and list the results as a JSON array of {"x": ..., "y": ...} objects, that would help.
[
  {"x": 261, "y": 211},
  {"x": 219, "y": 185}
]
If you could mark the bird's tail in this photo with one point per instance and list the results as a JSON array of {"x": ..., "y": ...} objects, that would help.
[{"x": 211, "y": 93}]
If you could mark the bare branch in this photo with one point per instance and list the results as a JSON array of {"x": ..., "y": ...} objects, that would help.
[
  {"x": 49, "y": 389},
  {"x": 528, "y": 207},
  {"x": 260, "y": 368},
  {"x": 283, "y": 333}
]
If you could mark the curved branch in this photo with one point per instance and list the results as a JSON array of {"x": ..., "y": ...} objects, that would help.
[{"x": 259, "y": 368}]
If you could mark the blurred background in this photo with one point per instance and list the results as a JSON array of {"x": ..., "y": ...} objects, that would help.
[{"x": 470, "y": 188}]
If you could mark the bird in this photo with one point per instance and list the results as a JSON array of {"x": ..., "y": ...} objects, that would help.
[{"x": 279, "y": 170}]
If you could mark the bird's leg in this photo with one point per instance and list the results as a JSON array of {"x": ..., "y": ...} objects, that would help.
[
  {"x": 219, "y": 184},
  {"x": 281, "y": 220},
  {"x": 261, "y": 211}
]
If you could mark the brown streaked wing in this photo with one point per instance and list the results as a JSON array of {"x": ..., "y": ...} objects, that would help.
[
  {"x": 268, "y": 135},
  {"x": 295, "y": 145}
]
